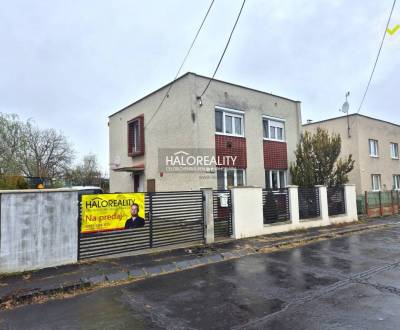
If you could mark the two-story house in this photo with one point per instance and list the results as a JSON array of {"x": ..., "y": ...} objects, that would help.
[
  {"x": 374, "y": 144},
  {"x": 258, "y": 130}
]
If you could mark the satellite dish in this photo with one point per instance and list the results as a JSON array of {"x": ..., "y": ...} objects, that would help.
[{"x": 345, "y": 107}]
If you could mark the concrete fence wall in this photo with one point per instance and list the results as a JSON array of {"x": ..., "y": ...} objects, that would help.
[
  {"x": 248, "y": 212},
  {"x": 37, "y": 229}
]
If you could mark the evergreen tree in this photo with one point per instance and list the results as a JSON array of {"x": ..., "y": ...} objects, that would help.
[{"x": 317, "y": 161}]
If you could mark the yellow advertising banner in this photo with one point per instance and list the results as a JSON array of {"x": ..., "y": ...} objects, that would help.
[{"x": 105, "y": 212}]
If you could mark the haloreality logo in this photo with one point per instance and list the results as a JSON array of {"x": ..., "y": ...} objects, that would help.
[{"x": 192, "y": 160}]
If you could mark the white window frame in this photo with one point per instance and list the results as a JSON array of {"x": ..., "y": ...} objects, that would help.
[
  {"x": 232, "y": 113},
  {"x": 281, "y": 122},
  {"x": 234, "y": 176},
  {"x": 396, "y": 181},
  {"x": 376, "y": 147},
  {"x": 394, "y": 147},
  {"x": 379, "y": 182},
  {"x": 278, "y": 177},
  {"x": 136, "y": 136}
]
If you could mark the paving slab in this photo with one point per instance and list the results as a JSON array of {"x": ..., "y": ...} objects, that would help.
[
  {"x": 115, "y": 277},
  {"x": 168, "y": 268},
  {"x": 136, "y": 272},
  {"x": 97, "y": 279},
  {"x": 154, "y": 270},
  {"x": 183, "y": 265}
]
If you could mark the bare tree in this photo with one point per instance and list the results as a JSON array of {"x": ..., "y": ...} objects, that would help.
[
  {"x": 26, "y": 149},
  {"x": 44, "y": 153},
  {"x": 10, "y": 136},
  {"x": 86, "y": 174}
]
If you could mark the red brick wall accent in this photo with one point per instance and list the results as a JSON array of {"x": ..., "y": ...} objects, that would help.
[
  {"x": 232, "y": 146},
  {"x": 275, "y": 155}
]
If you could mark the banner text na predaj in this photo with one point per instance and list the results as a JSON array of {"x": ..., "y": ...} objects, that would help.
[{"x": 105, "y": 212}]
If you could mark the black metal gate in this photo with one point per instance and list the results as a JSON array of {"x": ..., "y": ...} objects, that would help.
[
  {"x": 336, "y": 202},
  {"x": 177, "y": 217},
  {"x": 275, "y": 205},
  {"x": 309, "y": 203},
  {"x": 222, "y": 211},
  {"x": 171, "y": 218}
]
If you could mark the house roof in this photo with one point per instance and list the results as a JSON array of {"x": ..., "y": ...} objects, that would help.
[
  {"x": 201, "y": 76},
  {"x": 351, "y": 115}
]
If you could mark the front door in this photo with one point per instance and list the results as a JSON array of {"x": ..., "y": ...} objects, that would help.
[{"x": 136, "y": 182}]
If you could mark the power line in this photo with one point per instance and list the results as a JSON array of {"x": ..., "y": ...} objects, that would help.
[
  {"x": 183, "y": 62},
  {"x": 194, "y": 40},
  {"x": 377, "y": 57},
  {"x": 226, "y": 47}
]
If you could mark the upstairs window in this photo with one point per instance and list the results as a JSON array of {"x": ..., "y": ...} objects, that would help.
[
  {"x": 394, "y": 150},
  {"x": 274, "y": 129},
  {"x": 136, "y": 137},
  {"x": 373, "y": 148},
  {"x": 229, "y": 122}
]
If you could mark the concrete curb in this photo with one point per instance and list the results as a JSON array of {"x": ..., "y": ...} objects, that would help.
[{"x": 138, "y": 273}]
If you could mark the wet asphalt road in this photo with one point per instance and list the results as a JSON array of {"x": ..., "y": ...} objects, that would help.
[{"x": 348, "y": 282}]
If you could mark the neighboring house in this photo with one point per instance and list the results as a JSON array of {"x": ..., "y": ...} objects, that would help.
[
  {"x": 259, "y": 130},
  {"x": 374, "y": 144}
]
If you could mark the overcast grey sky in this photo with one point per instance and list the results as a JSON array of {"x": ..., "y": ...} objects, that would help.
[{"x": 70, "y": 64}]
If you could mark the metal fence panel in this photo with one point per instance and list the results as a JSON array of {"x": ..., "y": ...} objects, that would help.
[
  {"x": 379, "y": 203},
  {"x": 177, "y": 217},
  {"x": 171, "y": 218},
  {"x": 275, "y": 206},
  {"x": 396, "y": 201},
  {"x": 373, "y": 199},
  {"x": 361, "y": 205},
  {"x": 309, "y": 203},
  {"x": 114, "y": 242},
  {"x": 387, "y": 201},
  {"x": 336, "y": 202},
  {"x": 222, "y": 211}
]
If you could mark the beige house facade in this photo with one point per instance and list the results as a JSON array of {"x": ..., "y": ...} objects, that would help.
[
  {"x": 374, "y": 144},
  {"x": 257, "y": 129}
]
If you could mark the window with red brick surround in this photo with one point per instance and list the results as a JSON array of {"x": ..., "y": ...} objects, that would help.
[{"x": 136, "y": 136}]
